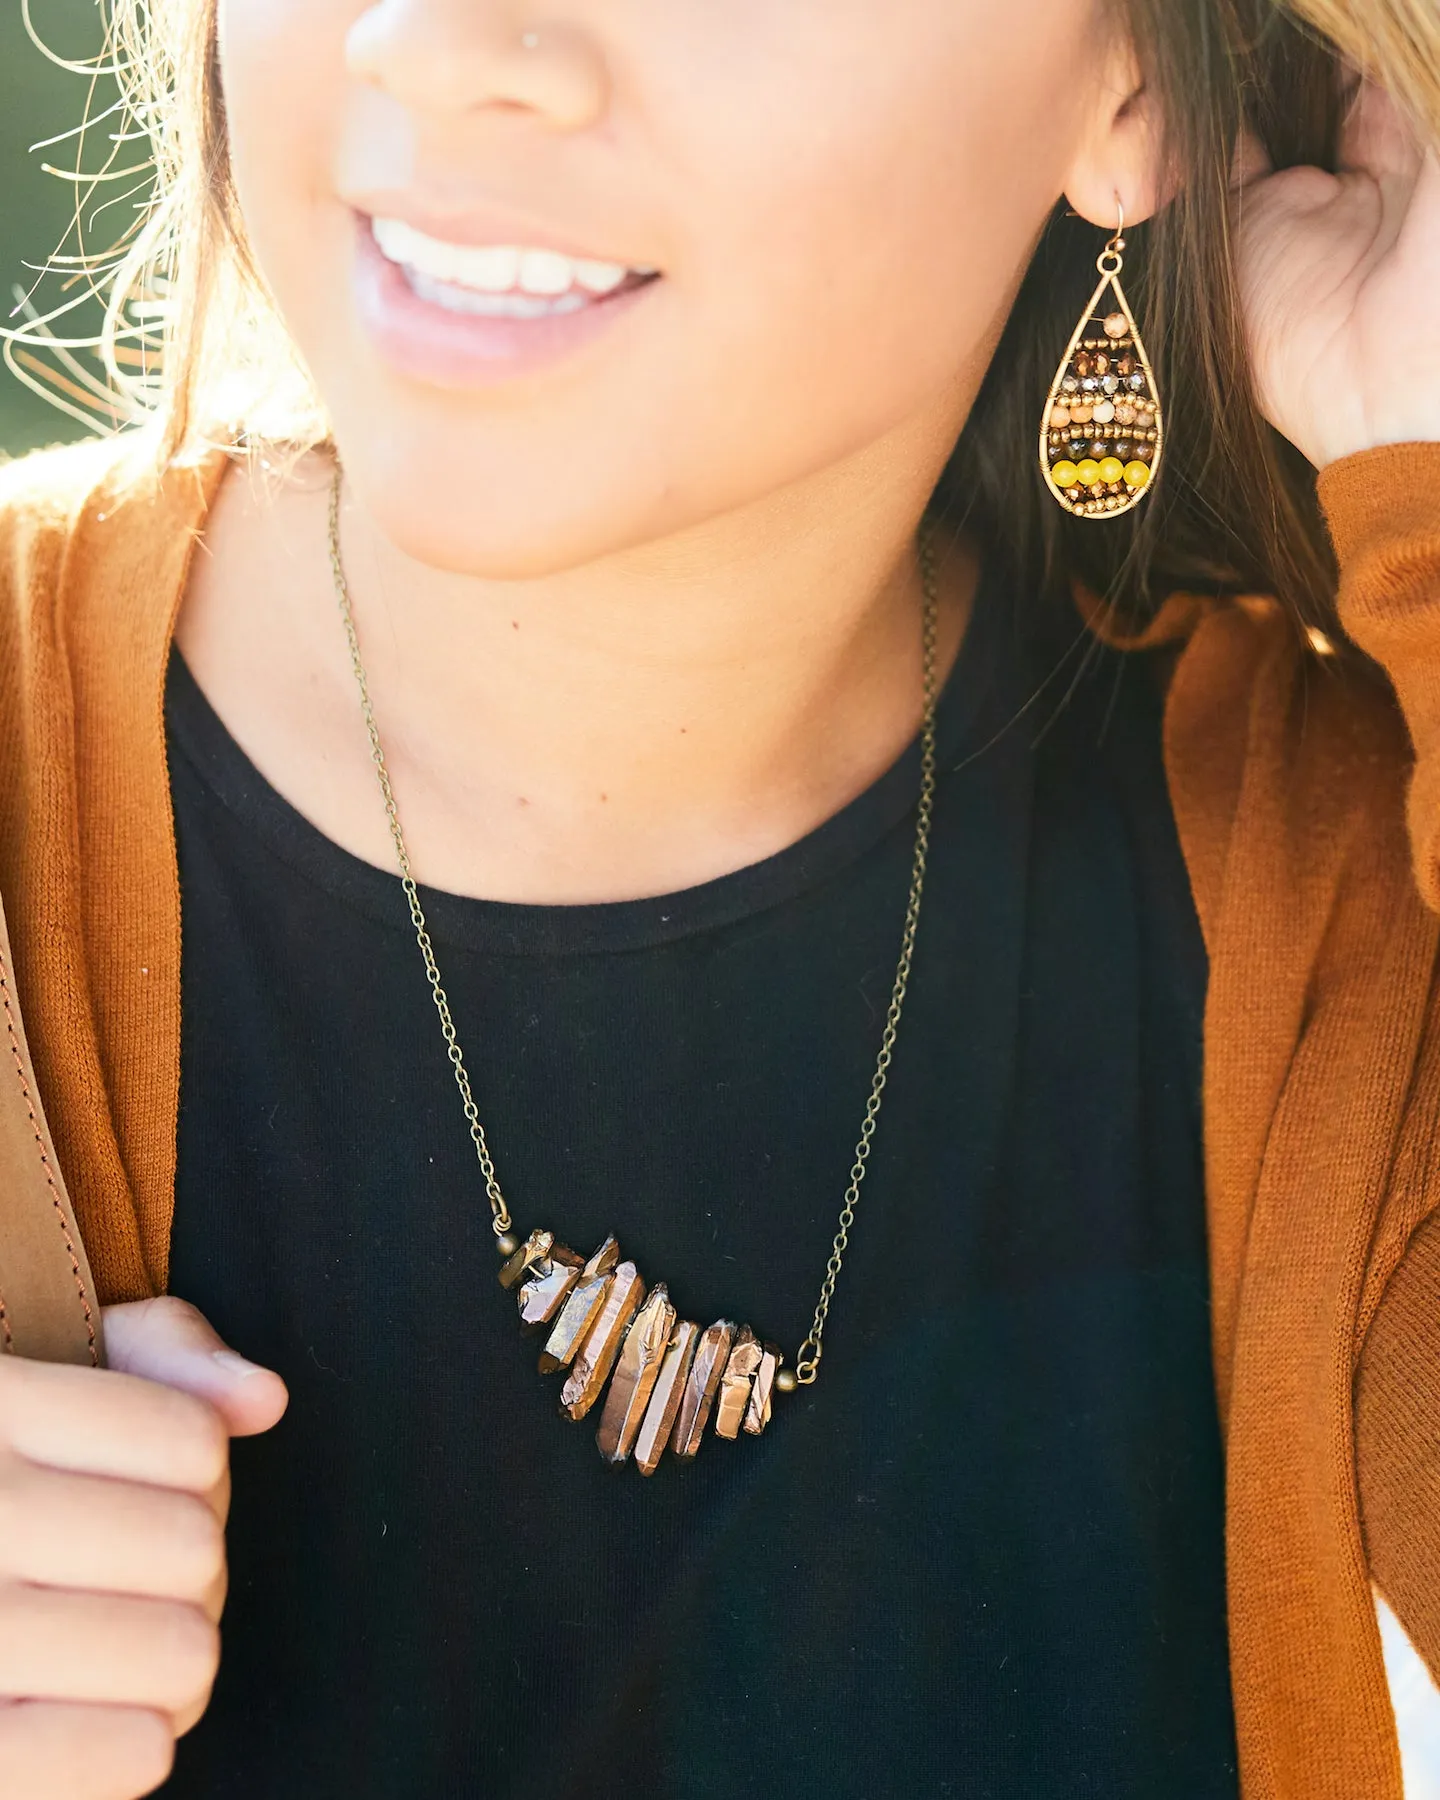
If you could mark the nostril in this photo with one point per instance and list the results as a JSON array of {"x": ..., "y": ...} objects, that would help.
[{"x": 443, "y": 61}]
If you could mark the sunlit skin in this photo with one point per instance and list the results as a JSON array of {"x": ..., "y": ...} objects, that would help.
[
  {"x": 648, "y": 613},
  {"x": 641, "y": 612}
]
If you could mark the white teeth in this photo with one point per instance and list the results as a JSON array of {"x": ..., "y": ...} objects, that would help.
[
  {"x": 494, "y": 269},
  {"x": 546, "y": 272},
  {"x": 603, "y": 277},
  {"x": 492, "y": 306},
  {"x": 491, "y": 270},
  {"x": 394, "y": 238}
]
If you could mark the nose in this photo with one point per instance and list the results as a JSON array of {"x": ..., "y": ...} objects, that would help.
[{"x": 457, "y": 57}]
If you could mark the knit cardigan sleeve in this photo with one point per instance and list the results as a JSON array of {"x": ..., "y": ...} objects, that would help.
[
  {"x": 95, "y": 541},
  {"x": 1383, "y": 510}
]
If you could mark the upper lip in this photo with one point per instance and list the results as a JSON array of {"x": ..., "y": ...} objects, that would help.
[{"x": 478, "y": 227}]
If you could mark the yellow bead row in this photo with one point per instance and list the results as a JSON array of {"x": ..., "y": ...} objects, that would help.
[{"x": 1088, "y": 473}]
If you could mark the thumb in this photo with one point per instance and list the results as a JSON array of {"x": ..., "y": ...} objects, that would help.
[{"x": 171, "y": 1342}]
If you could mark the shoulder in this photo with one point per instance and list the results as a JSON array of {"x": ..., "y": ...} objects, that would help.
[
  {"x": 106, "y": 520},
  {"x": 95, "y": 543},
  {"x": 47, "y": 496},
  {"x": 44, "y": 495},
  {"x": 1287, "y": 757},
  {"x": 48, "y": 484}
]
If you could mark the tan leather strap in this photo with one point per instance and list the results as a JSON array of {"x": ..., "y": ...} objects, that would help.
[{"x": 48, "y": 1309}]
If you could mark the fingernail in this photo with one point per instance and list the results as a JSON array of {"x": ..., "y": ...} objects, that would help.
[{"x": 236, "y": 1365}]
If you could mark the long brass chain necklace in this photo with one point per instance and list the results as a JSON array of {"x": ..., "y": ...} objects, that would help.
[{"x": 670, "y": 1376}]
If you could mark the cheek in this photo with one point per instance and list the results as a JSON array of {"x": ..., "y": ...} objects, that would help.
[
  {"x": 846, "y": 200},
  {"x": 281, "y": 70},
  {"x": 862, "y": 255}
]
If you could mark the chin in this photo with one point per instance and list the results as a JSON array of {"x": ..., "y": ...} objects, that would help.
[
  {"x": 486, "y": 530},
  {"x": 508, "y": 498}
]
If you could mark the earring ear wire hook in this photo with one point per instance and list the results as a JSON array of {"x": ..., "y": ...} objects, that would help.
[{"x": 1117, "y": 242}]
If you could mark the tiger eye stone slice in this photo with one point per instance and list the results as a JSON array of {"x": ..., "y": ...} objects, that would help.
[
  {"x": 757, "y": 1413},
  {"x": 665, "y": 1397},
  {"x": 734, "y": 1396},
  {"x": 701, "y": 1386},
  {"x": 641, "y": 1356},
  {"x": 595, "y": 1357},
  {"x": 533, "y": 1251},
  {"x": 541, "y": 1297},
  {"x": 578, "y": 1313}
]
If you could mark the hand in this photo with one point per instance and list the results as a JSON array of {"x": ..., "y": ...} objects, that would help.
[
  {"x": 114, "y": 1486},
  {"x": 1340, "y": 288}
]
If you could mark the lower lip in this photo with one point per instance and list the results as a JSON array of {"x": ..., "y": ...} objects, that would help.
[{"x": 460, "y": 350}]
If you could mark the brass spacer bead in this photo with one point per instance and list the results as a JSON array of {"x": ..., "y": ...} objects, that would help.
[
  {"x": 785, "y": 1381},
  {"x": 507, "y": 1243}
]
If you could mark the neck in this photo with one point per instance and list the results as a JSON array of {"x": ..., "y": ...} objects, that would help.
[{"x": 632, "y": 727}]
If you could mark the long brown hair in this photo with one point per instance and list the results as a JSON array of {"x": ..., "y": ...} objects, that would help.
[{"x": 1234, "y": 509}]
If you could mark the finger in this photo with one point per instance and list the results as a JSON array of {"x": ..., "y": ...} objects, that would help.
[
  {"x": 83, "y": 1531},
  {"x": 1376, "y": 139},
  {"x": 1251, "y": 161},
  {"x": 98, "y": 1422},
  {"x": 83, "y": 1752},
  {"x": 111, "y": 1649},
  {"x": 171, "y": 1342},
  {"x": 1422, "y": 222},
  {"x": 219, "y": 1496}
]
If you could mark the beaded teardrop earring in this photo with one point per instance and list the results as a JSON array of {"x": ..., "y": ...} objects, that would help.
[{"x": 1102, "y": 432}]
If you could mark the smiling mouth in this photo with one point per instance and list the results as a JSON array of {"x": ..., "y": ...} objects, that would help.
[{"x": 501, "y": 281}]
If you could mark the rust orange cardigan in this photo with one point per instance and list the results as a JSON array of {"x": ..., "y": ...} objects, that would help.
[{"x": 1307, "y": 792}]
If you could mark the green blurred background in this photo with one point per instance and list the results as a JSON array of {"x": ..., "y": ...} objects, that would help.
[{"x": 38, "y": 100}]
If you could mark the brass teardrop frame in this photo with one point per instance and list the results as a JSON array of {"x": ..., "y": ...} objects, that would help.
[{"x": 1110, "y": 500}]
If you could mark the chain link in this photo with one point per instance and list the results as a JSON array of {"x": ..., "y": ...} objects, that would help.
[
  {"x": 807, "y": 1361},
  {"x": 807, "y": 1364},
  {"x": 500, "y": 1213}
]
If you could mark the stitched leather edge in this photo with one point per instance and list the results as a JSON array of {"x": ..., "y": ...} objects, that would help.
[
  {"x": 7, "y": 1339},
  {"x": 55, "y": 1201}
]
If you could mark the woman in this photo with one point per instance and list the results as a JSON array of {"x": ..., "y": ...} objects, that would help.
[{"x": 632, "y": 464}]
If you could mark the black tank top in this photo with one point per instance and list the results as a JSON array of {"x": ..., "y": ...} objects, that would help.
[{"x": 982, "y": 1555}]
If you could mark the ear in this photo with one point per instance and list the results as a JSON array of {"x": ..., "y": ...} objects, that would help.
[{"x": 1119, "y": 159}]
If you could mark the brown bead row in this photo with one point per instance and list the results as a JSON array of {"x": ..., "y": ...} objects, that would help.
[
  {"x": 1134, "y": 399},
  {"x": 669, "y": 1375},
  {"x": 1104, "y": 362},
  {"x": 1123, "y": 500},
  {"x": 1143, "y": 444},
  {"x": 1140, "y": 434},
  {"x": 1132, "y": 383}
]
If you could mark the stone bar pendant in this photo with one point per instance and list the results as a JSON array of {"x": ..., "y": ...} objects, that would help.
[{"x": 667, "y": 1376}]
